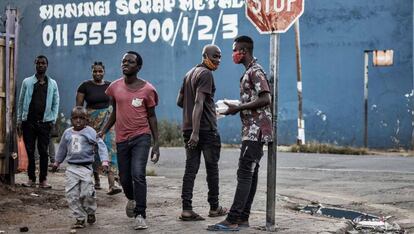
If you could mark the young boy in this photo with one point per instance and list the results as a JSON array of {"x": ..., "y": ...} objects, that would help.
[{"x": 78, "y": 145}]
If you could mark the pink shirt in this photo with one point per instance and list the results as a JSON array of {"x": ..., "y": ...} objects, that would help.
[{"x": 131, "y": 108}]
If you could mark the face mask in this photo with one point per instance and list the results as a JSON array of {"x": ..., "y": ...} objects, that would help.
[
  {"x": 210, "y": 64},
  {"x": 237, "y": 57}
]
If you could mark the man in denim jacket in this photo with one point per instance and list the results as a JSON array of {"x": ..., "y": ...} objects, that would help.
[{"x": 37, "y": 111}]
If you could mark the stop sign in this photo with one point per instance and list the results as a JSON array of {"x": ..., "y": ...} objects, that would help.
[{"x": 273, "y": 16}]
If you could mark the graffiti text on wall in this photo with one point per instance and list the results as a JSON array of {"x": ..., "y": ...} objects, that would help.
[{"x": 191, "y": 24}]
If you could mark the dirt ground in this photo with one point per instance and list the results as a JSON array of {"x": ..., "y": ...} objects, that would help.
[
  {"x": 46, "y": 211},
  {"x": 377, "y": 191}
]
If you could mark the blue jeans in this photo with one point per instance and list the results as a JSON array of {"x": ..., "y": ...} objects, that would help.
[
  {"x": 132, "y": 162},
  {"x": 209, "y": 144}
]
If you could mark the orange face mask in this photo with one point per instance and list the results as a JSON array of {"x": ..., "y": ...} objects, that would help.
[{"x": 210, "y": 64}]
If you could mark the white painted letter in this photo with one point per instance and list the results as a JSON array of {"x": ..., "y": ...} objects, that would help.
[
  {"x": 238, "y": 4},
  {"x": 121, "y": 7},
  {"x": 169, "y": 5},
  {"x": 88, "y": 9},
  {"x": 47, "y": 35},
  {"x": 71, "y": 10},
  {"x": 99, "y": 8},
  {"x": 211, "y": 4},
  {"x": 107, "y": 8},
  {"x": 46, "y": 12},
  {"x": 199, "y": 5},
  {"x": 154, "y": 30},
  {"x": 140, "y": 31},
  {"x": 280, "y": 8},
  {"x": 134, "y": 6},
  {"x": 59, "y": 11},
  {"x": 157, "y": 6},
  {"x": 186, "y": 5},
  {"x": 110, "y": 33},
  {"x": 224, "y": 4},
  {"x": 146, "y": 6},
  {"x": 167, "y": 29},
  {"x": 289, "y": 5}
]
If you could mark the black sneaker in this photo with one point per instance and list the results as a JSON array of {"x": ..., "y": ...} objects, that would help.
[
  {"x": 91, "y": 219},
  {"x": 98, "y": 187},
  {"x": 79, "y": 224}
]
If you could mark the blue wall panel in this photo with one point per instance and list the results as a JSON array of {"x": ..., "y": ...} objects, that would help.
[{"x": 334, "y": 35}]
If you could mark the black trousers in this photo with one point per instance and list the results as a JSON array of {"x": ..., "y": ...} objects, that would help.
[
  {"x": 40, "y": 131},
  {"x": 132, "y": 161},
  {"x": 209, "y": 144},
  {"x": 247, "y": 177}
]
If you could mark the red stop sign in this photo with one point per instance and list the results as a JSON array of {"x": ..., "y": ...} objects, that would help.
[{"x": 273, "y": 16}]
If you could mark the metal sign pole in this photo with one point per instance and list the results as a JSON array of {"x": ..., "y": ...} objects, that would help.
[
  {"x": 366, "y": 60},
  {"x": 301, "y": 122},
  {"x": 272, "y": 152}
]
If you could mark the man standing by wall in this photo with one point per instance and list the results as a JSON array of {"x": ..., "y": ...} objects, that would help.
[
  {"x": 196, "y": 97},
  {"x": 37, "y": 111},
  {"x": 134, "y": 101},
  {"x": 256, "y": 120}
]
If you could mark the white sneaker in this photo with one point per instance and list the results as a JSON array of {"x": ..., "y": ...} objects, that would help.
[
  {"x": 129, "y": 209},
  {"x": 140, "y": 223}
]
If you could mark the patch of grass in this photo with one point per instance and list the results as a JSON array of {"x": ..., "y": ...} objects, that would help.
[
  {"x": 61, "y": 125},
  {"x": 327, "y": 149},
  {"x": 230, "y": 146},
  {"x": 150, "y": 172},
  {"x": 170, "y": 134}
]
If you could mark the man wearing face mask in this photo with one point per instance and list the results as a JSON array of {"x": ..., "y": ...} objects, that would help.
[
  {"x": 256, "y": 118},
  {"x": 196, "y": 97}
]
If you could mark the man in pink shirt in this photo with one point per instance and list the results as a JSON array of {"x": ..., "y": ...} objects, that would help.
[{"x": 134, "y": 101}]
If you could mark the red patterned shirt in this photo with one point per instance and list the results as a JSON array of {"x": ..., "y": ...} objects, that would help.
[{"x": 259, "y": 121}]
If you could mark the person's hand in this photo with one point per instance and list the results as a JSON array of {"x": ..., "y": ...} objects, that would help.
[
  {"x": 55, "y": 167},
  {"x": 105, "y": 167},
  {"x": 19, "y": 128},
  {"x": 194, "y": 138},
  {"x": 232, "y": 110},
  {"x": 155, "y": 153}
]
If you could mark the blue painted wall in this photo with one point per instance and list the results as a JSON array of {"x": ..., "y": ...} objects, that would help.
[{"x": 334, "y": 34}]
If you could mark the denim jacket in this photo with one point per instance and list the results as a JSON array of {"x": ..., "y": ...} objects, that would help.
[{"x": 52, "y": 99}]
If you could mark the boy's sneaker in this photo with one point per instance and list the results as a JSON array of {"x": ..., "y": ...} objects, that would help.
[
  {"x": 79, "y": 224},
  {"x": 140, "y": 223},
  {"x": 130, "y": 207},
  {"x": 91, "y": 219}
]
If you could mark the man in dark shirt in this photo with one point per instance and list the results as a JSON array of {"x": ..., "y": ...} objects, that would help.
[
  {"x": 256, "y": 119},
  {"x": 37, "y": 111},
  {"x": 196, "y": 97}
]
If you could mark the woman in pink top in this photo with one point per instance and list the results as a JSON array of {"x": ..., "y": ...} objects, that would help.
[{"x": 134, "y": 101}]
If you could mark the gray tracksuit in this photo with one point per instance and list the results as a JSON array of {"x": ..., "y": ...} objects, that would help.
[{"x": 79, "y": 149}]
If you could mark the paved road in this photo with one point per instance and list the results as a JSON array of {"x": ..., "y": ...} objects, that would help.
[{"x": 383, "y": 185}]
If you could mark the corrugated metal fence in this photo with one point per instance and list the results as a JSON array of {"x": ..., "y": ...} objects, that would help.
[{"x": 8, "y": 61}]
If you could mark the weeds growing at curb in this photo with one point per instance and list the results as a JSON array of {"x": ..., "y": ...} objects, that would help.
[
  {"x": 150, "y": 172},
  {"x": 170, "y": 134},
  {"x": 327, "y": 149}
]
